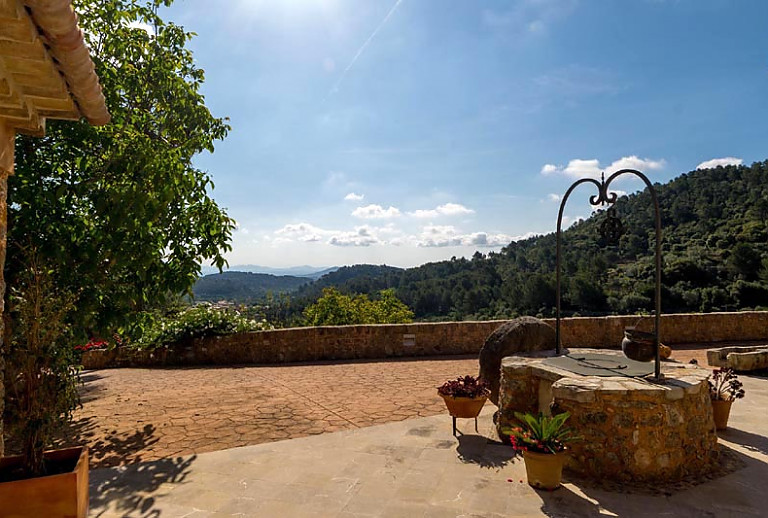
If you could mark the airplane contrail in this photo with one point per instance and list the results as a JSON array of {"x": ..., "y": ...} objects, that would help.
[{"x": 363, "y": 47}]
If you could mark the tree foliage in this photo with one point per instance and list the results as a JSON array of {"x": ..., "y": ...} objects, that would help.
[
  {"x": 121, "y": 208},
  {"x": 335, "y": 309}
]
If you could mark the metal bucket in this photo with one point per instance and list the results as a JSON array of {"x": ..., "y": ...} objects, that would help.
[{"x": 638, "y": 345}]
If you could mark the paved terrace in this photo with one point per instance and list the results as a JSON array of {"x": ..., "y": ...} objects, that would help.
[
  {"x": 416, "y": 468},
  {"x": 133, "y": 415}
]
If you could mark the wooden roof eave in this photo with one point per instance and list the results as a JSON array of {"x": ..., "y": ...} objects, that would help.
[
  {"x": 45, "y": 67},
  {"x": 57, "y": 22}
]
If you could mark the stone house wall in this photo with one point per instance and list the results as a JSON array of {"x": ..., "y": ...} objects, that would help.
[{"x": 423, "y": 339}]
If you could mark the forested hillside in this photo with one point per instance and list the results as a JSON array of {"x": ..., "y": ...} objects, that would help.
[
  {"x": 714, "y": 259},
  {"x": 244, "y": 286}
]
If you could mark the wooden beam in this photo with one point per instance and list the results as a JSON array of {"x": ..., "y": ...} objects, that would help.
[
  {"x": 15, "y": 30},
  {"x": 26, "y": 66},
  {"x": 23, "y": 49},
  {"x": 9, "y": 8}
]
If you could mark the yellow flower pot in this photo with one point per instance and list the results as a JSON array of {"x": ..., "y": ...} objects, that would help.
[{"x": 544, "y": 470}]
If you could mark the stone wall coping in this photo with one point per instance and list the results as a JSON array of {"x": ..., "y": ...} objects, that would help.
[{"x": 551, "y": 321}]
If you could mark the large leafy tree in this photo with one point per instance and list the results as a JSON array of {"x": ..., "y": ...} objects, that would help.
[
  {"x": 336, "y": 309},
  {"x": 120, "y": 211}
]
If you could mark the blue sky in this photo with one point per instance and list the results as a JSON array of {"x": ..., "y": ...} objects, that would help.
[{"x": 402, "y": 132}]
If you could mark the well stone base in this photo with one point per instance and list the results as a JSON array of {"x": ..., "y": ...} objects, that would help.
[{"x": 632, "y": 430}]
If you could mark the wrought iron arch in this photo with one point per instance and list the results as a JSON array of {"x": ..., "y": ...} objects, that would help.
[{"x": 605, "y": 197}]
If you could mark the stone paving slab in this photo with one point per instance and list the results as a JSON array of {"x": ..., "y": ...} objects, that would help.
[{"x": 416, "y": 468}]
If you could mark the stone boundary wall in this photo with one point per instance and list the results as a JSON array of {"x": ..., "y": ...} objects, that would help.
[{"x": 306, "y": 344}]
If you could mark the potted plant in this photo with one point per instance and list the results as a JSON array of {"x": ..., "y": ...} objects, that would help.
[
  {"x": 464, "y": 397},
  {"x": 542, "y": 440},
  {"x": 724, "y": 389},
  {"x": 41, "y": 394}
]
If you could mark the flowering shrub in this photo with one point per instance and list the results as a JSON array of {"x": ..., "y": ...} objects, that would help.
[
  {"x": 466, "y": 386},
  {"x": 93, "y": 343},
  {"x": 724, "y": 385},
  {"x": 541, "y": 434},
  {"x": 195, "y": 322}
]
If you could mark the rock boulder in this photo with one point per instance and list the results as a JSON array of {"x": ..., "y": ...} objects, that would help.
[{"x": 524, "y": 334}]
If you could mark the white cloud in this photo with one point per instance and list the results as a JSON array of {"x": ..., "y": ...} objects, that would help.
[
  {"x": 149, "y": 29},
  {"x": 376, "y": 212},
  {"x": 430, "y": 236},
  {"x": 553, "y": 197},
  {"x": 549, "y": 169},
  {"x": 633, "y": 162},
  {"x": 305, "y": 232},
  {"x": 354, "y": 196},
  {"x": 449, "y": 209},
  {"x": 361, "y": 236},
  {"x": 364, "y": 235},
  {"x": 437, "y": 236},
  {"x": 525, "y": 236},
  {"x": 580, "y": 168},
  {"x": 715, "y": 162},
  {"x": 485, "y": 240},
  {"x": 570, "y": 220}
]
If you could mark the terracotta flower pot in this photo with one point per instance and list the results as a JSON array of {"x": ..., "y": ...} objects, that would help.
[
  {"x": 544, "y": 470},
  {"x": 721, "y": 410},
  {"x": 62, "y": 495},
  {"x": 464, "y": 407}
]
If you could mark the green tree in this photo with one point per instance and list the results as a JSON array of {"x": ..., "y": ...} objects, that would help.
[
  {"x": 336, "y": 309},
  {"x": 388, "y": 309},
  {"x": 332, "y": 309},
  {"x": 121, "y": 208},
  {"x": 745, "y": 261}
]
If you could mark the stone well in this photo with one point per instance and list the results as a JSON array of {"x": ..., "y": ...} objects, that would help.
[{"x": 632, "y": 429}]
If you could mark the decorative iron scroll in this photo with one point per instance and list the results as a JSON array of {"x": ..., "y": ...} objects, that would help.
[{"x": 611, "y": 230}]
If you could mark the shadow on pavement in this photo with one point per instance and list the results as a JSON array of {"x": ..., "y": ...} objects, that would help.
[
  {"x": 484, "y": 452},
  {"x": 750, "y": 441},
  {"x": 89, "y": 389},
  {"x": 129, "y": 490},
  {"x": 734, "y": 490},
  {"x": 564, "y": 503},
  {"x": 113, "y": 449}
]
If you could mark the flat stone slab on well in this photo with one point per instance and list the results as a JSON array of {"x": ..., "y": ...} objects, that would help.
[
  {"x": 739, "y": 358},
  {"x": 632, "y": 428},
  {"x": 601, "y": 364}
]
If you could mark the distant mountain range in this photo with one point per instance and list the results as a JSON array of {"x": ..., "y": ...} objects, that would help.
[
  {"x": 245, "y": 286},
  {"x": 311, "y": 272}
]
